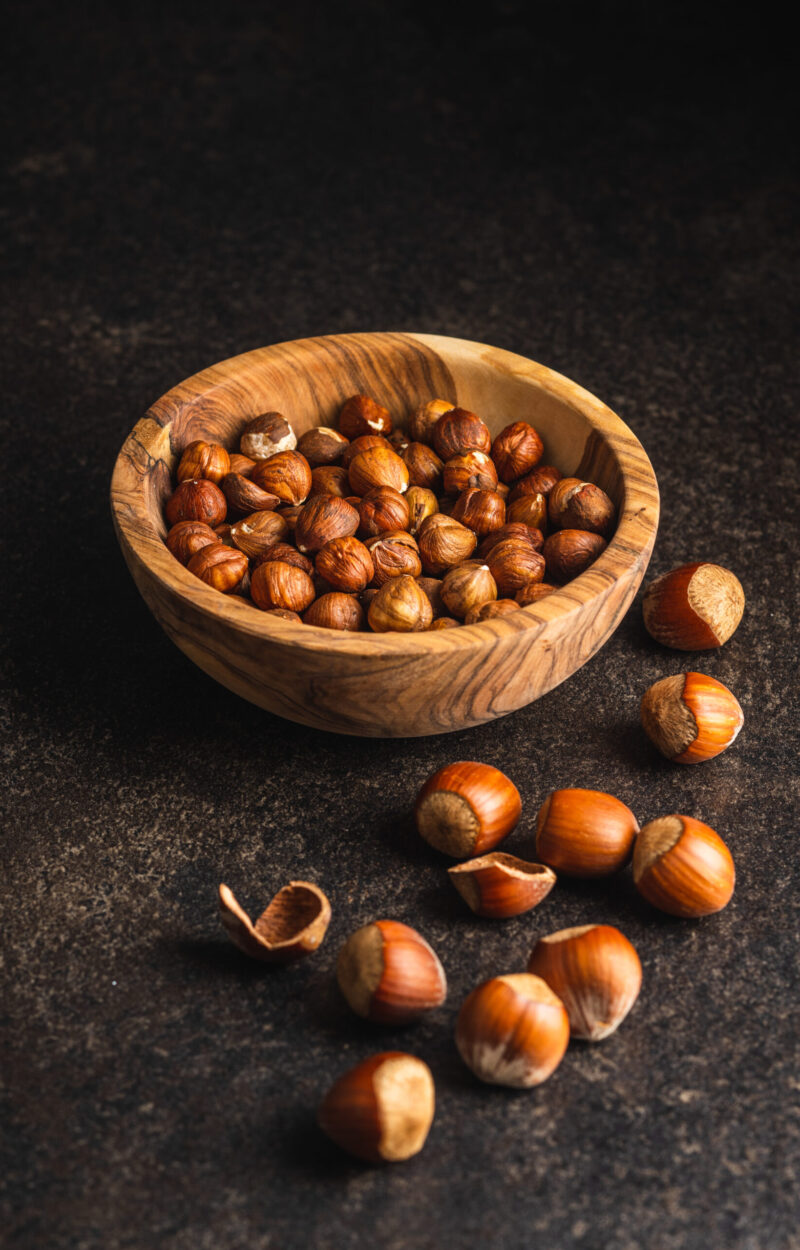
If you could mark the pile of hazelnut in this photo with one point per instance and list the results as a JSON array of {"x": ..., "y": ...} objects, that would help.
[{"x": 362, "y": 527}]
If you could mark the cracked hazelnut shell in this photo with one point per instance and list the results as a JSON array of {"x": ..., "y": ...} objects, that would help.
[{"x": 293, "y": 925}]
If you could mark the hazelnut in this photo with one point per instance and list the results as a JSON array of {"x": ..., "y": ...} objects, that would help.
[
  {"x": 259, "y": 531},
  {"x": 423, "y": 419},
  {"x": 467, "y": 586},
  {"x": 460, "y": 430},
  {"x": 691, "y": 717},
  {"x": 244, "y": 496},
  {"x": 290, "y": 513},
  {"x": 266, "y": 435},
  {"x": 568, "y": 553},
  {"x": 400, "y": 605},
  {"x": 693, "y": 608},
  {"x": 196, "y": 500},
  {"x": 286, "y": 474},
  {"x": 533, "y": 592},
  {"x": 540, "y": 482},
  {"x": 513, "y": 529},
  {"x": 335, "y": 611},
  {"x": 471, "y": 468},
  {"x": 346, "y": 564},
  {"x": 284, "y": 614},
  {"x": 399, "y": 441},
  {"x": 444, "y": 542},
  {"x": 424, "y": 466},
  {"x": 573, "y": 504},
  {"x": 218, "y": 566},
  {"x": 433, "y": 589},
  {"x": 516, "y": 450},
  {"x": 503, "y": 491},
  {"x": 329, "y": 479},
  {"x": 480, "y": 510},
  {"x": 382, "y": 509},
  {"x": 365, "y": 442},
  {"x": 530, "y": 510},
  {"x": 466, "y": 808},
  {"x": 445, "y": 622},
  {"x": 422, "y": 503},
  {"x": 324, "y": 517},
  {"x": 377, "y": 466},
  {"x": 293, "y": 925},
  {"x": 389, "y": 974},
  {"x": 513, "y": 564},
  {"x": 287, "y": 554},
  {"x": 486, "y": 611},
  {"x": 241, "y": 464},
  {"x": 512, "y": 1030},
  {"x": 280, "y": 585},
  {"x": 188, "y": 537},
  {"x": 322, "y": 445},
  {"x": 683, "y": 867},
  {"x": 381, "y": 1111},
  {"x": 394, "y": 554},
  {"x": 585, "y": 833},
  {"x": 223, "y": 533},
  {"x": 499, "y": 886},
  {"x": 362, "y": 415},
  {"x": 209, "y": 460},
  {"x": 596, "y": 973}
]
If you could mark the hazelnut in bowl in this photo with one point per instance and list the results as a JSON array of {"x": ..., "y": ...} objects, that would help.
[{"x": 372, "y": 674}]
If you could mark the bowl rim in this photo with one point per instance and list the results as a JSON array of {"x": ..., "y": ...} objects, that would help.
[{"x": 635, "y": 533}]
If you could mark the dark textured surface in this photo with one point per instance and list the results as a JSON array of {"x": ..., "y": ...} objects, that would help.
[{"x": 609, "y": 194}]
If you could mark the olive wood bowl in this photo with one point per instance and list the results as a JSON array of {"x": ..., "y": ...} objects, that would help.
[{"x": 385, "y": 685}]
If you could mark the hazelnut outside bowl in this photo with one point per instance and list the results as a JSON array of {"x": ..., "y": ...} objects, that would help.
[{"x": 386, "y": 685}]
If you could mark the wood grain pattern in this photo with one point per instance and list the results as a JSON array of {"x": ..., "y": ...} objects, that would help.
[{"x": 386, "y": 685}]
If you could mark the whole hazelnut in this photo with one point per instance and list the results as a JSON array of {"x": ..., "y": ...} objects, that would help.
[
  {"x": 683, "y": 867},
  {"x": 382, "y": 509},
  {"x": 276, "y": 584},
  {"x": 444, "y": 542},
  {"x": 691, "y": 717},
  {"x": 378, "y": 466},
  {"x": 512, "y": 529},
  {"x": 531, "y": 510},
  {"x": 460, "y": 430},
  {"x": 219, "y": 566},
  {"x": 287, "y": 554},
  {"x": 188, "y": 537},
  {"x": 577, "y": 505},
  {"x": 568, "y": 553},
  {"x": 324, "y": 517},
  {"x": 209, "y": 460},
  {"x": 266, "y": 435},
  {"x": 196, "y": 500},
  {"x": 585, "y": 833},
  {"x": 533, "y": 592},
  {"x": 596, "y": 973},
  {"x": 480, "y": 510},
  {"x": 389, "y": 974},
  {"x": 335, "y": 611},
  {"x": 513, "y": 564},
  {"x": 467, "y": 586},
  {"x": 471, "y": 468},
  {"x": 422, "y": 503},
  {"x": 346, "y": 564},
  {"x": 257, "y": 532},
  {"x": 381, "y": 1110},
  {"x": 693, "y": 608},
  {"x": 513, "y": 1030},
  {"x": 466, "y": 808},
  {"x": 286, "y": 474},
  {"x": 322, "y": 445},
  {"x": 433, "y": 589},
  {"x": 394, "y": 554},
  {"x": 362, "y": 415},
  {"x": 244, "y": 496},
  {"x": 241, "y": 464},
  {"x": 486, "y": 611},
  {"x": 445, "y": 622},
  {"x": 423, "y": 419},
  {"x": 540, "y": 482},
  {"x": 424, "y": 466},
  {"x": 365, "y": 442},
  {"x": 329, "y": 479},
  {"x": 516, "y": 450},
  {"x": 400, "y": 605}
]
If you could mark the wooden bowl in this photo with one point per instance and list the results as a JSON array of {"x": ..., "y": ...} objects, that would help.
[{"x": 385, "y": 685}]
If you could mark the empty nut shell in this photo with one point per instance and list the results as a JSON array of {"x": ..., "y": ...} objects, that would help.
[
  {"x": 466, "y": 808},
  {"x": 683, "y": 867},
  {"x": 694, "y": 608},
  {"x": 499, "y": 886},
  {"x": 293, "y": 925},
  {"x": 596, "y": 973},
  {"x": 691, "y": 717},
  {"x": 388, "y": 973}
]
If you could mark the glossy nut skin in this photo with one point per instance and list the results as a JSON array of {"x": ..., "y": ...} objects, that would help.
[
  {"x": 389, "y": 974},
  {"x": 574, "y": 504},
  {"x": 286, "y": 474},
  {"x": 533, "y": 592},
  {"x": 400, "y": 605},
  {"x": 255, "y": 534},
  {"x": 433, "y": 589},
  {"x": 683, "y": 867},
  {"x": 585, "y": 833},
  {"x": 346, "y": 564},
  {"x": 444, "y": 542},
  {"x": 696, "y": 607},
  {"x": 422, "y": 420},
  {"x": 511, "y": 529},
  {"x": 286, "y": 553},
  {"x": 292, "y": 926},
  {"x": 244, "y": 496},
  {"x": 460, "y": 430},
  {"x": 471, "y": 468},
  {"x": 335, "y": 610},
  {"x": 361, "y": 414},
  {"x": 596, "y": 973},
  {"x": 381, "y": 1110},
  {"x": 516, "y": 450},
  {"x": 382, "y": 510},
  {"x": 322, "y": 445},
  {"x": 219, "y": 566},
  {"x": 482, "y": 511},
  {"x": 276, "y": 584},
  {"x": 421, "y": 503},
  {"x": 329, "y": 479},
  {"x": 499, "y": 886},
  {"x": 529, "y": 510},
  {"x": 568, "y": 553},
  {"x": 266, "y": 435},
  {"x": 515, "y": 563},
  {"x": 243, "y": 465},
  {"x": 323, "y": 518},
  {"x": 393, "y": 555},
  {"x": 424, "y": 466},
  {"x": 378, "y": 466},
  {"x": 540, "y": 482},
  {"x": 467, "y": 586},
  {"x": 467, "y": 808},
  {"x": 188, "y": 537},
  {"x": 196, "y": 500},
  {"x": 485, "y": 611},
  {"x": 364, "y": 442},
  {"x": 512, "y": 1030},
  {"x": 200, "y": 459},
  {"x": 690, "y": 717}
]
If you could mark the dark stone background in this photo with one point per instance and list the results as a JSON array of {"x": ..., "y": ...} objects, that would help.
[{"x": 609, "y": 191}]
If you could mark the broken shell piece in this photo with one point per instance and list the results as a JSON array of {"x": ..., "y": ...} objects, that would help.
[
  {"x": 500, "y": 885},
  {"x": 292, "y": 927}
]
